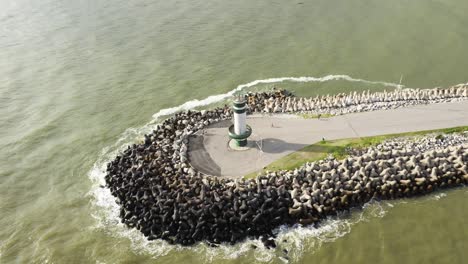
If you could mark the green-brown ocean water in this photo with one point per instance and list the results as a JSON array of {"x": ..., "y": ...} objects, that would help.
[{"x": 80, "y": 79}]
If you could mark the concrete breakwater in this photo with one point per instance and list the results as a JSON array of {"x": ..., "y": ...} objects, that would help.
[
  {"x": 394, "y": 169},
  {"x": 163, "y": 197},
  {"x": 282, "y": 101}
]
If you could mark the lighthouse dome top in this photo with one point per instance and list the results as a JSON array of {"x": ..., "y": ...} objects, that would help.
[{"x": 238, "y": 98}]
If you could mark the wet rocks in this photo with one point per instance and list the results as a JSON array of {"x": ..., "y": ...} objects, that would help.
[{"x": 161, "y": 195}]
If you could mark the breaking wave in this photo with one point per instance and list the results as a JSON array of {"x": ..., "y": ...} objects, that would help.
[
  {"x": 294, "y": 239},
  {"x": 131, "y": 134},
  {"x": 217, "y": 98}
]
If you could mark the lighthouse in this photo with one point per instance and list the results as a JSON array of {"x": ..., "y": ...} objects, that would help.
[{"x": 239, "y": 131}]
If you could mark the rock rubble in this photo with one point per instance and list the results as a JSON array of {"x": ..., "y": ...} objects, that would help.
[
  {"x": 281, "y": 101},
  {"x": 161, "y": 195}
]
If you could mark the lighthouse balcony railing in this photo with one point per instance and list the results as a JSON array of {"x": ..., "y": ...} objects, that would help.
[{"x": 246, "y": 134}]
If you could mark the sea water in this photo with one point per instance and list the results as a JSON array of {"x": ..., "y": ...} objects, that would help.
[{"x": 80, "y": 80}]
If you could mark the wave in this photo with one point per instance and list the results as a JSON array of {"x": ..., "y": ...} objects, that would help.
[
  {"x": 131, "y": 134},
  {"x": 217, "y": 98},
  {"x": 438, "y": 196},
  {"x": 106, "y": 210}
]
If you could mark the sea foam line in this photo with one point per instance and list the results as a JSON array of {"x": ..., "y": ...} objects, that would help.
[
  {"x": 131, "y": 134},
  {"x": 106, "y": 210},
  {"x": 305, "y": 79}
]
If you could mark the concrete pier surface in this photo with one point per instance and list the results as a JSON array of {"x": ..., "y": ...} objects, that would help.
[{"x": 275, "y": 136}]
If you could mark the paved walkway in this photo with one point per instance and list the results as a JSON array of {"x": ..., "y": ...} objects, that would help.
[{"x": 278, "y": 136}]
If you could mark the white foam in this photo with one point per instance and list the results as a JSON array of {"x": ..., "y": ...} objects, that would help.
[
  {"x": 376, "y": 209},
  {"x": 106, "y": 210},
  {"x": 304, "y": 79},
  {"x": 439, "y": 196},
  {"x": 299, "y": 239},
  {"x": 131, "y": 134}
]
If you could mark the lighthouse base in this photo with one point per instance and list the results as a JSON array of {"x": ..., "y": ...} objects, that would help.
[
  {"x": 234, "y": 145},
  {"x": 238, "y": 142}
]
